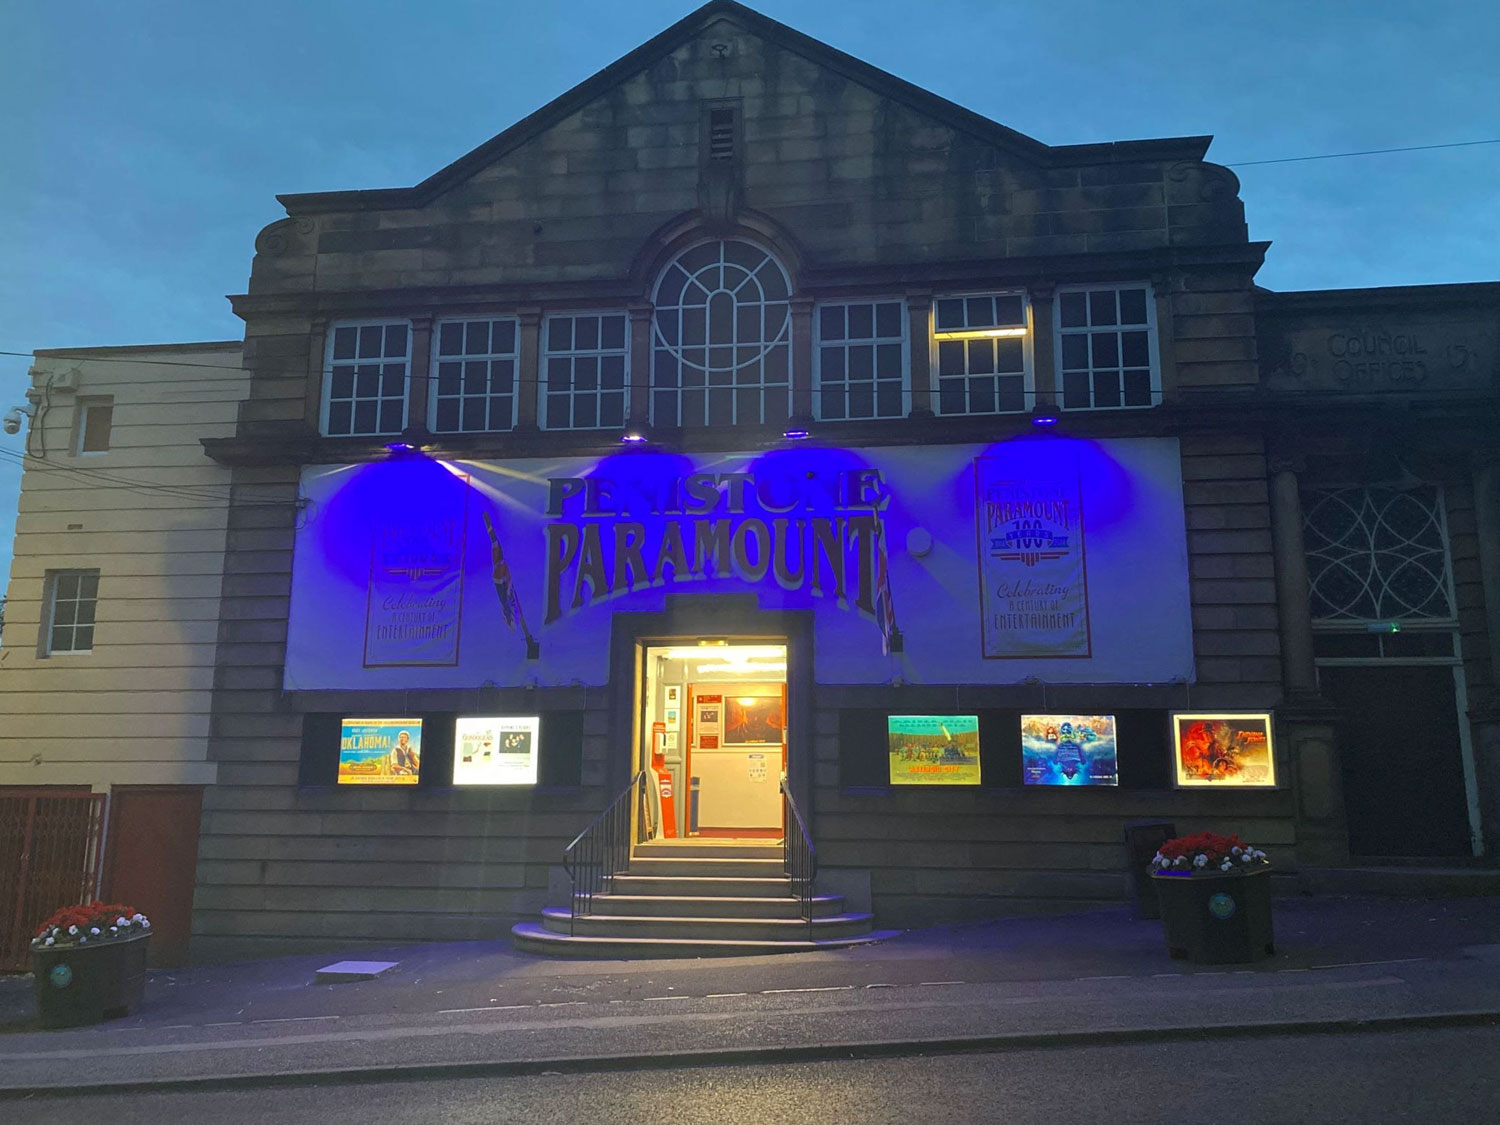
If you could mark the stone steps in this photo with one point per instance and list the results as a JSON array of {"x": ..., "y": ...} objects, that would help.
[{"x": 696, "y": 899}]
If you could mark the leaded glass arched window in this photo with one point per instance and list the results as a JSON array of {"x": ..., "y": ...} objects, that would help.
[
  {"x": 1376, "y": 554},
  {"x": 721, "y": 350}
]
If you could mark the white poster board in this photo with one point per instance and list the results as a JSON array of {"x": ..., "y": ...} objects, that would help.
[{"x": 496, "y": 750}]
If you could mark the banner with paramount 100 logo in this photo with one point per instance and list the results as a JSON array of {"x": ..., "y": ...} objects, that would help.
[{"x": 1035, "y": 599}]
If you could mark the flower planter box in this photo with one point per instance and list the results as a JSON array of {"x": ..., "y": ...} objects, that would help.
[
  {"x": 1217, "y": 919},
  {"x": 84, "y": 984}
]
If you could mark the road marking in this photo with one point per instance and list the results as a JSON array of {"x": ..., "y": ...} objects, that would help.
[
  {"x": 562, "y": 1004},
  {"x": 666, "y": 998},
  {"x": 1362, "y": 964},
  {"x": 295, "y": 1019},
  {"x": 1112, "y": 976},
  {"x": 880, "y": 986},
  {"x": 231, "y": 1023},
  {"x": 724, "y": 995},
  {"x": 1294, "y": 970},
  {"x": 784, "y": 991},
  {"x": 486, "y": 1008},
  {"x": 934, "y": 983}
]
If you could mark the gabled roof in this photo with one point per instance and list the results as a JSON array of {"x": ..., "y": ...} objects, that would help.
[{"x": 648, "y": 53}]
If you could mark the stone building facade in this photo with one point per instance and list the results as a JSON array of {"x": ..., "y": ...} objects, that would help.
[{"x": 1109, "y": 284}]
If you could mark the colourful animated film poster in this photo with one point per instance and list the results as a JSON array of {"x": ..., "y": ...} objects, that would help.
[
  {"x": 1223, "y": 750},
  {"x": 1068, "y": 750},
  {"x": 933, "y": 749},
  {"x": 380, "y": 751}
]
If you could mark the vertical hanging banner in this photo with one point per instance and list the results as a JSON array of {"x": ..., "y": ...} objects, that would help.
[
  {"x": 1033, "y": 587},
  {"x": 415, "y": 594}
]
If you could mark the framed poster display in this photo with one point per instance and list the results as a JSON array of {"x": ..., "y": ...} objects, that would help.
[
  {"x": 1069, "y": 750},
  {"x": 933, "y": 749},
  {"x": 496, "y": 749},
  {"x": 1223, "y": 749},
  {"x": 380, "y": 751}
]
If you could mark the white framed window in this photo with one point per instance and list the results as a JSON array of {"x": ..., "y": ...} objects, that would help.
[
  {"x": 364, "y": 380},
  {"x": 586, "y": 360},
  {"x": 721, "y": 350},
  {"x": 1106, "y": 347},
  {"x": 860, "y": 368},
  {"x": 72, "y": 598},
  {"x": 983, "y": 364},
  {"x": 474, "y": 375},
  {"x": 94, "y": 423}
]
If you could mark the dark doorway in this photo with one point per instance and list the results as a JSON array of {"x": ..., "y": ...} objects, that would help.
[
  {"x": 1402, "y": 766},
  {"x": 152, "y": 859}
]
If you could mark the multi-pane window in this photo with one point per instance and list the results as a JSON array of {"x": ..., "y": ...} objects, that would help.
[
  {"x": 475, "y": 362},
  {"x": 365, "y": 388},
  {"x": 981, "y": 353},
  {"x": 721, "y": 338},
  {"x": 586, "y": 367},
  {"x": 1106, "y": 344},
  {"x": 861, "y": 351},
  {"x": 1377, "y": 554},
  {"x": 73, "y": 596}
]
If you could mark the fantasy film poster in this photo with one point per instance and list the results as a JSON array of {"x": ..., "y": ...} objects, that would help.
[
  {"x": 1223, "y": 750},
  {"x": 416, "y": 589},
  {"x": 380, "y": 751},
  {"x": 1068, "y": 750},
  {"x": 933, "y": 749},
  {"x": 496, "y": 750},
  {"x": 1034, "y": 594}
]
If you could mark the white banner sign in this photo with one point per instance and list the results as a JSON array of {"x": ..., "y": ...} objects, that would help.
[
  {"x": 1034, "y": 596},
  {"x": 415, "y": 594}
]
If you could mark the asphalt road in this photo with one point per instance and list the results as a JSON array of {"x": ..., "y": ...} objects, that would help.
[{"x": 1434, "y": 1077}]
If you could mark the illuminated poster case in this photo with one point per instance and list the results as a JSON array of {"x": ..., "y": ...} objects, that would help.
[
  {"x": 1223, "y": 750},
  {"x": 933, "y": 749},
  {"x": 1069, "y": 750},
  {"x": 380, "y": 751},
  {"x": 496, "y": 749}
]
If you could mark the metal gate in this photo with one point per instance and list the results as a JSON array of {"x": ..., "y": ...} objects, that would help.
[{"x": 49, "y": 857}]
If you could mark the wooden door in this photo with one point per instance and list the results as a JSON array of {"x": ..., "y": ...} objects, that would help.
[{"x": 151, "y": 861}]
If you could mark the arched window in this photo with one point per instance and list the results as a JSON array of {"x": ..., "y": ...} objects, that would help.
[{"x": 722, "y": 341}]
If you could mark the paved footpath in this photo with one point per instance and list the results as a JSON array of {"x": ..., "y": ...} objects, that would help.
[{"x": 482, "y": 1008}]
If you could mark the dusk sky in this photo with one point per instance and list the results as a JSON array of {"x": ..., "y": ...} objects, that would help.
[{"x": 145, "y": 142}]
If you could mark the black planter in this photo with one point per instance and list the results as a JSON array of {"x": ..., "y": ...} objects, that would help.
[
  {"x": 1217, "y": 919},
  {"x": 83, "y": 984}
]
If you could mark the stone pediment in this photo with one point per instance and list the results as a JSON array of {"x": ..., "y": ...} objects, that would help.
[{"x": 856, "y": 166}]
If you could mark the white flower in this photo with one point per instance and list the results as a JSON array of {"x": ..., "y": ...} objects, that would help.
[
  {"x": 122, "y": 921},
  {"x": 1181, "y": 861},
  {"x": 137, "y": 917},
  {"x": 1235, "y": 851},
  {"x": 49, "y": 941},
  {"x": 82, "y": 939},
  {"x": 1200, "y": 861},
  {"x": 94, "y": 930},
  {"x": 72, "y": 929},
  {"x": 1226, "y": 865},
  {"x": 1246, "y": 858},
  {"x": 145, "y": 924}
]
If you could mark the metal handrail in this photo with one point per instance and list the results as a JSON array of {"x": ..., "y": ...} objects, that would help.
[
  {"x": 798, "y": 856},
  {"x": 602, "y": 850}
]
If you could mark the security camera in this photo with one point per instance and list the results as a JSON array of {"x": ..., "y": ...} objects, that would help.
[{"x": 13, "y": 416}]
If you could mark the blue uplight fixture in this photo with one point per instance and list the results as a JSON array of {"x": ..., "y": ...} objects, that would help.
[{"x": 1043, "y": 414}]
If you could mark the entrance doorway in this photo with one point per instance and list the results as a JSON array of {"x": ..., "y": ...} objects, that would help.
[
  {"x": 1403, "y": 761},
  {"x": 712, "y": 737}
]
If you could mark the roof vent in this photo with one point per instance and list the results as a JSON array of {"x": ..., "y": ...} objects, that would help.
[{"x": 720, "y": 135}]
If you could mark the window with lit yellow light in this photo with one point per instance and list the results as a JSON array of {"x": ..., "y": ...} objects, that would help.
[{"x": 983, "y": 361}]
